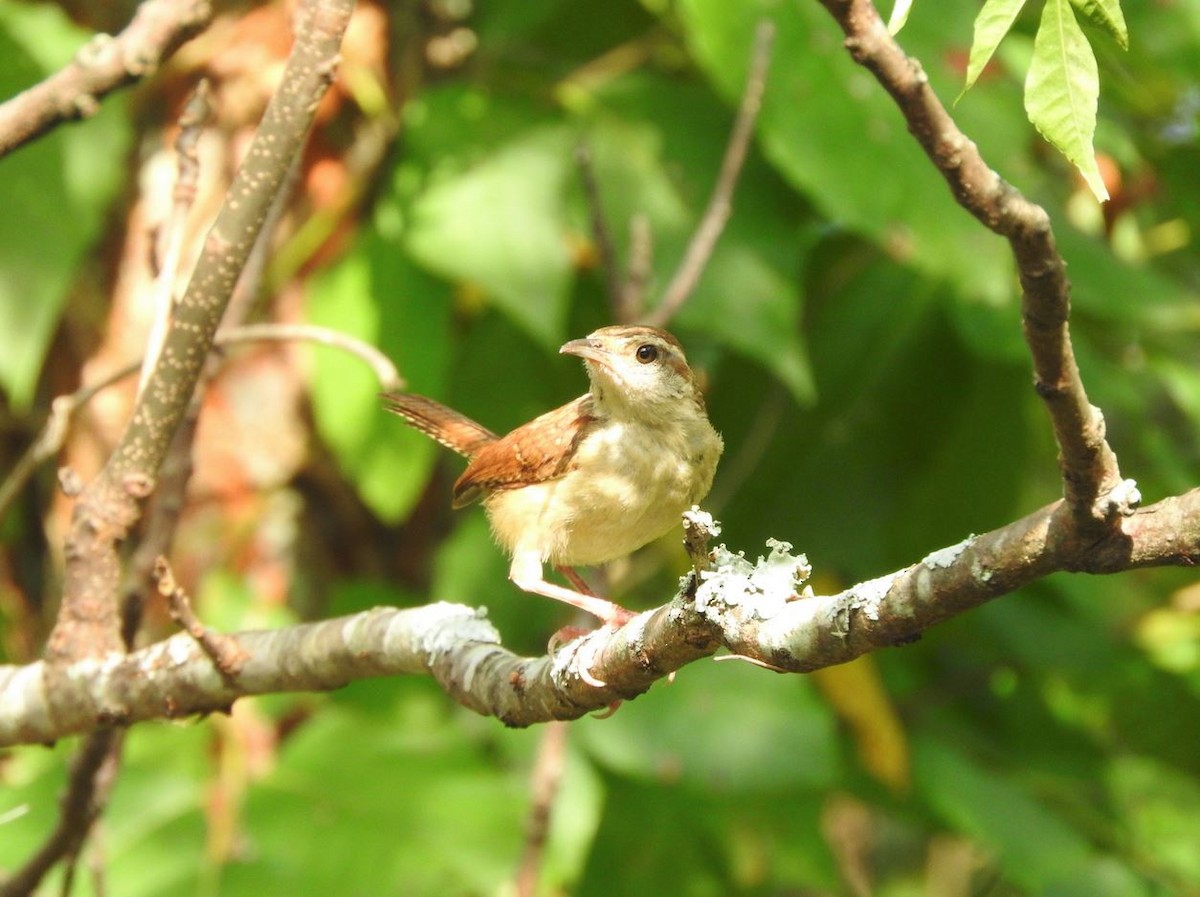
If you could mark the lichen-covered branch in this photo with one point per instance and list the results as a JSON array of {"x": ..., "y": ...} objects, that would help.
[
  {"x": 88, "y": 621},
  {"x": 760, "y": 611},
  {"x": 1092, "y": 481},
  {"x": 158, "y": 28}
]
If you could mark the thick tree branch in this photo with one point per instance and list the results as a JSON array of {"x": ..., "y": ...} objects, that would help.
[
  {"x": 761, "y": 614},
  {"x": 1092, "y": 481},
  {"x": 106, "y": 63},
  {"x": 88, "y": 622}
]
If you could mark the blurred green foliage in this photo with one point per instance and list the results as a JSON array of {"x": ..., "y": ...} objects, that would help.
[{"x": 860, "y": 336}]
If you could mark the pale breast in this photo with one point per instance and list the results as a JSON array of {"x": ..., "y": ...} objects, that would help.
[{"x": 627, "y": 487}]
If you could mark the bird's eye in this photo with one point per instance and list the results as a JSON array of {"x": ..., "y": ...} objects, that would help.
[{"x": 647, "y": 352}]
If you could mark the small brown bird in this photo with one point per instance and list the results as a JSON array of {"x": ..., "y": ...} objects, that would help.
[{"x": 595, "y": 479}]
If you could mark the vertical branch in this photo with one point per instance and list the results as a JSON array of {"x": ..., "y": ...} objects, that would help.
[{"x": 88, "y": 622}]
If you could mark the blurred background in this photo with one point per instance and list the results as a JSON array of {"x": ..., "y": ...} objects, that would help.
[{"x": 859, "y": 338}]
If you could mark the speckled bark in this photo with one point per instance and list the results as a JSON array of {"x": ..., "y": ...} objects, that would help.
[{"x": 88, "y": 624}]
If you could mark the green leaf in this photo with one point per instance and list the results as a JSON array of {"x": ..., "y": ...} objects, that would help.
[
  {"x": 836, "y": 137},
  {"x": 377, "y": 295},
  {"x": 1062, "y": 89},
  {"x": 992, "y": 23},
  {"x": 1038, "y": 848},
  {"x": 54, "y": 193},
  {"x": 500, "y": 225},
  {"x": 406, "y": 799},
  {"x": 1106, "y": 14},
  {"x": 767, "y": 723}
]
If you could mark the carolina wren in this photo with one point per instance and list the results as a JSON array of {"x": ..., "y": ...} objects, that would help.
[{"x": 595, "y": 479}]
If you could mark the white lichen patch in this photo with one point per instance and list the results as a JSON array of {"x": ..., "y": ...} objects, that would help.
[
  {"x": 443, "y": 627},
  {"x": 868, "y": 596},
  {"x": 944, "y": 557},
  {"x": 760, "y": 589}
]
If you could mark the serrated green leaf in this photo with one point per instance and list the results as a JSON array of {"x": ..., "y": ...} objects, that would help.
[
  {"x": 1106, "y": 14},
  {"x": 501, "y": 226},
  {"x": 992, "y": 23},
  {"x": 1062, "y": 89}
]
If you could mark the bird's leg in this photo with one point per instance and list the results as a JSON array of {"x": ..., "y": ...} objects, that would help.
[
  {"x": 575, "y": 579},
  {"x": 526, "y": 574}
]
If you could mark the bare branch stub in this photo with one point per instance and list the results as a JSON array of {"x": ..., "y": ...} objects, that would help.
[
  {"x": 226, "y": 654},
  {"x": 1095, "y": 495}
]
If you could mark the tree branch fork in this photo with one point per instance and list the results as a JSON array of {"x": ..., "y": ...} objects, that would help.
[{"x": 758, "y": 611}]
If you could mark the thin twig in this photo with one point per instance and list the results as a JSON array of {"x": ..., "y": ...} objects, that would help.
[
  {"x": 548, "y": 770},
  {"x": 385, "y": 371},
  {"x": 602, "y": 234},
  {"x": 53, "y": 434},
  {"x": 50, "y": 440},
  {"x": 160, "y": 523},
  {"x": 88, "y": 622},
  {"x": 166, "y": 505},
  {"x": 158, "y": 28},
  {"x": 720, "y": 204},
  {"x": 640, "y": 267}
]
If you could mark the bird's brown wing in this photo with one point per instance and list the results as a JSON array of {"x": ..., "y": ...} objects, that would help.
[
  {"x": 455, "y": 431},
  {"x": 538, "y": 451}
]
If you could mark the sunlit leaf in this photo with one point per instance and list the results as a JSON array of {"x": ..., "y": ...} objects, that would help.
[
  {"x": 1062, "y": 89},
  {"x": 500, "y": 226},
  {"x": 992, "y": 23},
  {"x": 1106, "y": 14},
  {"x": 900, "y": 11}
]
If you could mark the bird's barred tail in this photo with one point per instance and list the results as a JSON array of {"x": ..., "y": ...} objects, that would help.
[{"x": 455, "y": 431}]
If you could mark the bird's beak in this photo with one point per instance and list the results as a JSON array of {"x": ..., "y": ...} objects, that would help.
[{"x": 587, "y": 349}]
